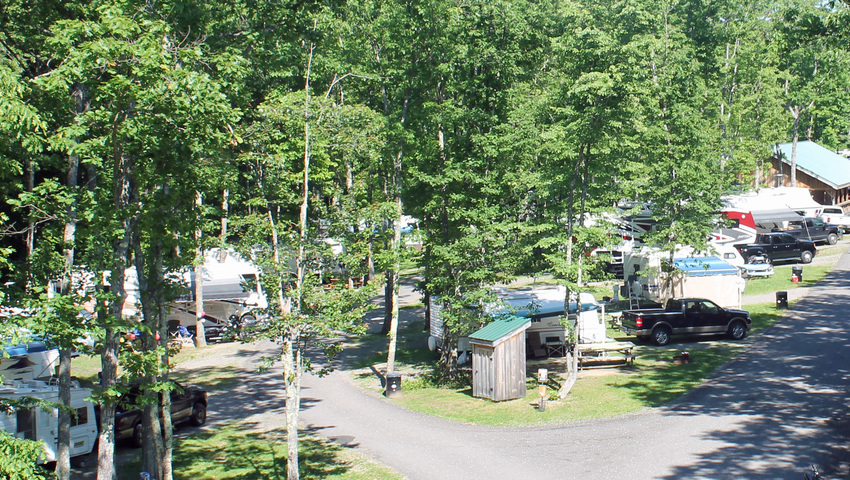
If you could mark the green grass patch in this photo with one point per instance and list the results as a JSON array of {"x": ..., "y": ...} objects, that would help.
[
  {"x": 653, "y": 380},
  {"x": 781, "y": 279},
  {"x": 764, "y": 315},
  {"x": 213, "y": 377},
  {"x": 230, "y": 452}
]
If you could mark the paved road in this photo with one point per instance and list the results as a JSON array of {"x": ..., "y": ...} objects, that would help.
[{"x": 779, "y": 407}]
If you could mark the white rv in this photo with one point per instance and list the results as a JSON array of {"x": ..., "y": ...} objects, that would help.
[
  {"x": 28, "y": 361},
  {"x": 545, "y": 307},
  {"x": 41, "y": 424},
  {"x": 231, "y": 290}
]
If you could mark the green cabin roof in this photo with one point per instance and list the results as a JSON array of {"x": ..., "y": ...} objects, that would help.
[
  {"x": 819, "y": 162},
  {"x": 500, "y": 328}
]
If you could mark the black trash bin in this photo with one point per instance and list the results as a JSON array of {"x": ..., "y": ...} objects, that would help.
[
  {"x": 797, "y": 271},
  {"x": 781, "y": 299},
  {"x": 393, "y": 385}
]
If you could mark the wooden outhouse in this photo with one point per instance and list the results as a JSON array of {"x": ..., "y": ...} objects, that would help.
[{"x": 498, "y": 359}]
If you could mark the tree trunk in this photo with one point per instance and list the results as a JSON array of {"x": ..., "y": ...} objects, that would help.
[
  {"x": 225, "y": 209},
  {"x": 396, "y": 249},
  {"x": 795, "y": 112},
  {"x": 393, "y": 277},
  {"x": 109, "y": 375},
  {"x": 69, "y": 236},
  {"x": 122, "y": 173},
  {"x": 63, "y": 437},
  {"x": 292, "y": 383},
  {"x": 200, "y": 334},
  {"x": 150, "y": 277},
  {"x": 165, "y": 406}
]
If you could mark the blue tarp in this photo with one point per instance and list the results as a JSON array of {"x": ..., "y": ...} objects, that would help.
[
  {"x": 704, "y": 266},
  {"x": 24, "y": 348}
]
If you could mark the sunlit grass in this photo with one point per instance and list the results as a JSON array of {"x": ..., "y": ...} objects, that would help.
[
  {"x": 230, "y": 452},
  {"x": 781, "y": 279},
  {"x": 827, "y": 257},
  {"x": 651, "y": 381}
]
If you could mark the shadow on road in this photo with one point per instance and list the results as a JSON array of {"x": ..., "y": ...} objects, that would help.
[{"x": 791, "y": 387}]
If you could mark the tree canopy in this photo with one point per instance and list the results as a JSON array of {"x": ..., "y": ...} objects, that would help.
[{"x": 507, "y": 128}]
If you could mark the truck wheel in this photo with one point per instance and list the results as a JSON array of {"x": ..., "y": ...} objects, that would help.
[
  {"x": 199, "y": 414},
  {"x": 737, "y": 330},
  {"x": 806, "y": 257},
  {"x": 832, "y": 239},
  {"x": 136, "y": 440},
  {"x": 661, "y": 336}
]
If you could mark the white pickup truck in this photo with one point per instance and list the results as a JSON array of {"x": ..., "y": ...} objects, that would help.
[{"x": 836, "y": 216}]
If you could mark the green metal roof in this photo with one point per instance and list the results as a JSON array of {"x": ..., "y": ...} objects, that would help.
[
  {"x": 819, "y": 162},
  {"x": 500, "y": 328}
]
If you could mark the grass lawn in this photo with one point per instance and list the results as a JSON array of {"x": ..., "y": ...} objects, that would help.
[
  {"x": 231, "y": 451},
  {"x": 651, "y": 381},
  {"x": 826, "y": 259},
  {"x": 228, "y": 452}
]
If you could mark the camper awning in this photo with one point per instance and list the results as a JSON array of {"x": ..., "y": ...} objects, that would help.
[
  {"x": 704, "y": 266},
  {"x": 776, "y": 217}
]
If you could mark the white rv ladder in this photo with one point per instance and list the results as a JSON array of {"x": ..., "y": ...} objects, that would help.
[{"x": 634, "y": 301}]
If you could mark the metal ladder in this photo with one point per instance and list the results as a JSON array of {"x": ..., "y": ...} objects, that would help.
[{"x": 634, "y": 302}]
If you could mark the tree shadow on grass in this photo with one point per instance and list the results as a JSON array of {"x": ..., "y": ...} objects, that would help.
[{"x": 235, "y": 451}]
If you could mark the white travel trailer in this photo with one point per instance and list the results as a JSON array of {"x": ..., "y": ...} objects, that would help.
[
  {"x": 230, "y": 287},
  {"x": 231, "y": 291},
  {"x": 691, "y": 275},
  {"x": 39, "y": 423},
  {"x": 545, "y": 307},
  {"x": 28, "y": 361}
]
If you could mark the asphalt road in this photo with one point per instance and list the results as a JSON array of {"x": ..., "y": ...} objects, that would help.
[{"x": 769, "y": 414}]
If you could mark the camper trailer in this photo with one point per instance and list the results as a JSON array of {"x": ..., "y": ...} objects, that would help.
[
  {"x": 231, "y": 292},
  {"x": 41, "y": 424},
  {"x": 28, "y": 361},
  {"x": 690, "y": 275},
  {"x": 545, "y": 307}
]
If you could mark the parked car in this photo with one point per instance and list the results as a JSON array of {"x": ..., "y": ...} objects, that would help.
[
  {"x": 837, "y": 217},
  {"x": 778, "y": 247},
  {"x": 188, "y": 404},
  {"x": 816, "y": 230},
  {"x": 685, "y": 316}
]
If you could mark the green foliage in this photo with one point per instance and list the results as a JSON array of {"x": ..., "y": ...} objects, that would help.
[{"x": 20, "y": 457}]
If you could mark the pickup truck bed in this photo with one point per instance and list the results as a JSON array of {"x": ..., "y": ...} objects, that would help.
[{"x": 685, "y": 316}]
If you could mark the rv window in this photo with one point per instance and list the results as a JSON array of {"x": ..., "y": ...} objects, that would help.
[
  {"x": 81, "y": 418},
  {"x": 729, "y": 256},
  {"x": 249, "y": 280},
  {"x": 26, "y": 423}
]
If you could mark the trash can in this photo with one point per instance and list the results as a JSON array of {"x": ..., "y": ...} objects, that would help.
[
  {"x": 393, "y": 385},
  {"x": 781, "y": 299},
  {"x": 797, "y": 271}
]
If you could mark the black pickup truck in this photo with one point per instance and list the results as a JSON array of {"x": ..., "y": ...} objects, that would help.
[
  {"x": 777, "y": 247},
  {"x": 188, "y": 404},
  {"x": 688, "y": 316},
  {"x": 816, "y": 230}
]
